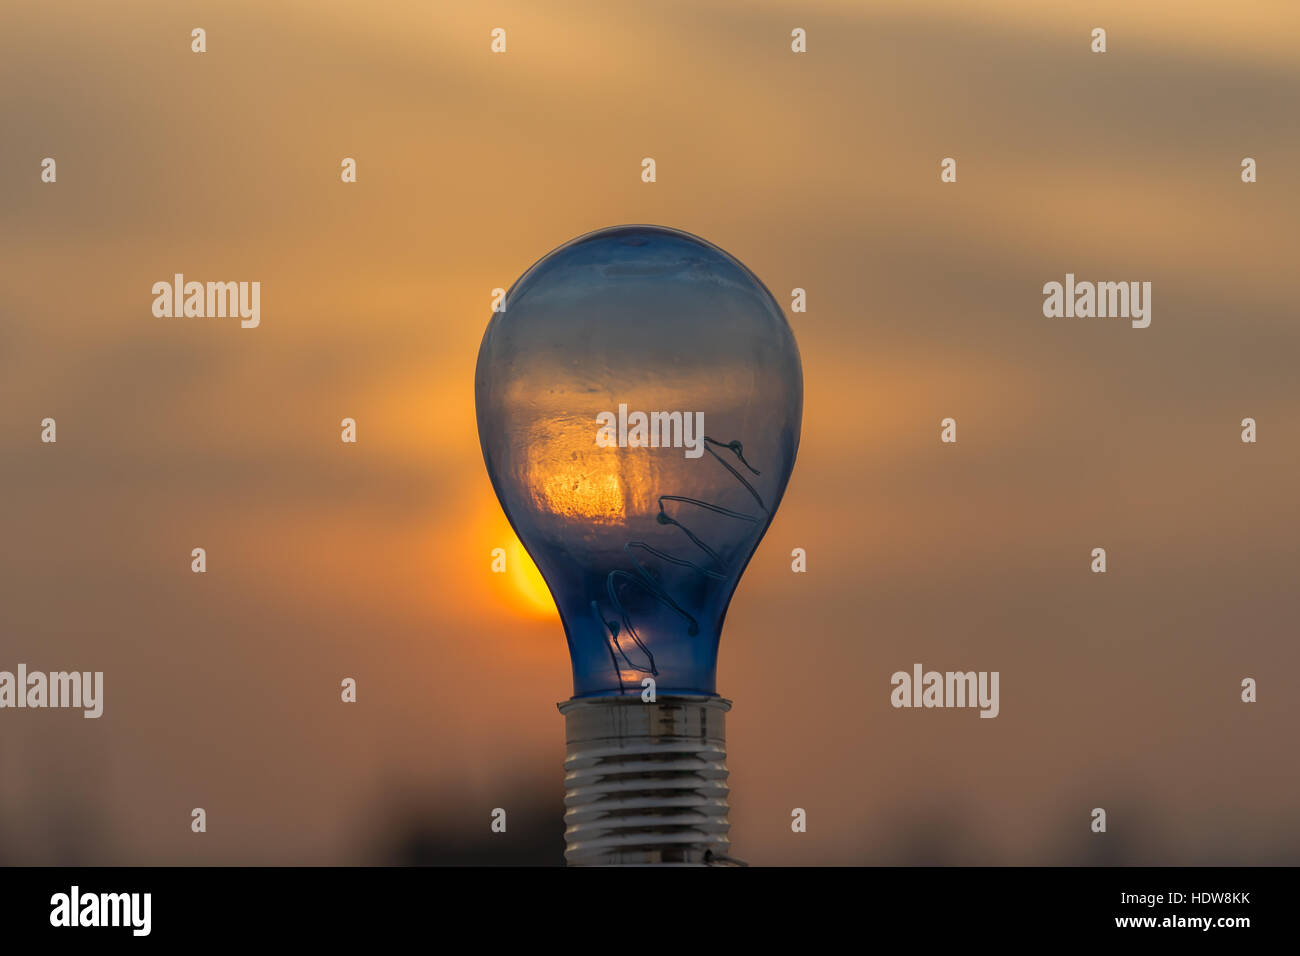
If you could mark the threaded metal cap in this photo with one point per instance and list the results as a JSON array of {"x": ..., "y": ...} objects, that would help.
[{"x": 646, "y": 783}]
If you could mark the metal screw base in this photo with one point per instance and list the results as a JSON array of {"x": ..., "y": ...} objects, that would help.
[{"x": 646, "y": 783}]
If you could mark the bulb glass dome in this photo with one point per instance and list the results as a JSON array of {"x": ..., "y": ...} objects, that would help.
[{"x": 639, "y": 404}]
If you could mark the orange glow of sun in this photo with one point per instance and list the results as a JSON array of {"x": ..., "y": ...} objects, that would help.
[{"x": 532, "y": 595}]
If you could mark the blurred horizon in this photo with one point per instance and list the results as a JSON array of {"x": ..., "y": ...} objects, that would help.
[{"x": 818, "y": 171}]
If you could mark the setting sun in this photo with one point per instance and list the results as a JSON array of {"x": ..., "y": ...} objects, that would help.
[{"x": 534, "y": 597}]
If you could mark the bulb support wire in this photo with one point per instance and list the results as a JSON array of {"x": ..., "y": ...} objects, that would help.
[{"x": 621, "y": 628}]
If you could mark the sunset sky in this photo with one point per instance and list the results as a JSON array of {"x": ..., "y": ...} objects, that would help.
[{"x": 818, "y": 171}]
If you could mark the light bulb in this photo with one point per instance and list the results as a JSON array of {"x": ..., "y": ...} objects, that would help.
[{"x": 639, "y": 397}]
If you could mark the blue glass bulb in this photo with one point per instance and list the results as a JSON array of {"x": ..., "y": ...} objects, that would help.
[{"x": 639, "y": 403}]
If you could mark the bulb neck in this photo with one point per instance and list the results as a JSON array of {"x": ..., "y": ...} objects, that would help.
[{"x": 646, "y": 783}]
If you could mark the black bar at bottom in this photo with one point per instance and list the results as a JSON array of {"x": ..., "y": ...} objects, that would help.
[{"x": 665, "y": 908}]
